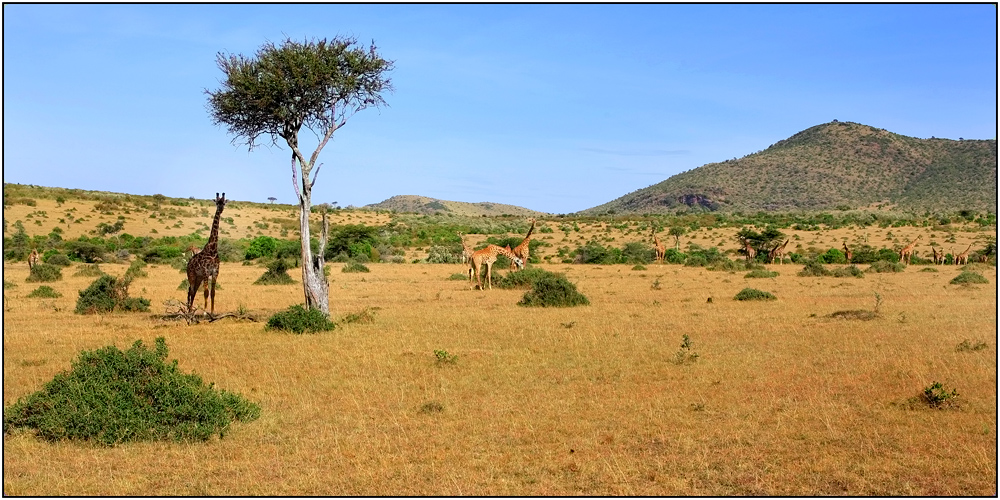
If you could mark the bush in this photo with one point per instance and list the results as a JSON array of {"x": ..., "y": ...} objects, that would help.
[
  {"x": 107, "y": 294},
  {"x": 444, "y": 255},
  {"x": 884, "y": 266},
  {"x": 261, "y": 246},
  {"x": 761, "y": 273},
  {"x": 111, "y": 397},
  {"x": 161, "y": 253},
  {"x": 754, "y": 294},
  {"x": 525, "y": 278},
  {"x": 135, "y": 269},
  {"x": 846, "y": 272},
  {"x": 814, "y": 268},
  {"x": 45, "y": 292},
  {"x": 84, "y": 251},
  {"x": 458, "y": 276},
  {"x": 58, "y": 259},
  {"x": 936, "y": 396},
  {"x": 553, "y": 291},
  {"x": 355, "y": 267},
  {"x": 299, "y": 320},
  {"x": 276, "y": 274},
  {"x": 44, "y": 273},
  {"x": 638, "y": 267},
  {"x": 968, "y": 278},
  {"x": 695, "y": 261},
  {"x": 832, "y": 256},
  {"x": 90, "y": 270}
]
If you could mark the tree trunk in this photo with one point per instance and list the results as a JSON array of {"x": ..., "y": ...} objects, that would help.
[{"x": 314, "y": 284}]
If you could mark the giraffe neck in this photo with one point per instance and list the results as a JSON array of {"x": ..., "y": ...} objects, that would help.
[{"x": 212, "y": 247}]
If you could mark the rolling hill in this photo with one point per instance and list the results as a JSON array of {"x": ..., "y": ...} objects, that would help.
[
  {"x": 430, "y": 206},
  {"x": 829, "y": 166}
]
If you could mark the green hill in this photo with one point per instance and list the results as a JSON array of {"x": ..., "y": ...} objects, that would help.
[
  {"x": 430, "y": 206},
  {"x": 829, "y": 166}
]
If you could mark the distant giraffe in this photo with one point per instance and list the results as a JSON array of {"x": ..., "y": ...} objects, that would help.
[
  {"x": 32, "y": 258},
  {"x": 848, "y": 253},
  {"x": 488, "y": 256},
  {"x": 907, "y": 251},
  {"x": 661, "y": 249},
  {"x": 522, "y": 250},
  {"x": 779, "y": 252},
  {"x": 203, "y": 267},
  {"x": 750, "y": 251},
  {"x": 466, "y": 249},
  {"x": 938, "y": 255},
  {"x": 963, "y": 258}
]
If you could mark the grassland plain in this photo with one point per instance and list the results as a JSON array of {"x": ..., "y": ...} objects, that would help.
[{"x": 781, "y": 400}]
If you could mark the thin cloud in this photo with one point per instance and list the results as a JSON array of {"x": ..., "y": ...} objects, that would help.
[{"x": 638, "y": 152}]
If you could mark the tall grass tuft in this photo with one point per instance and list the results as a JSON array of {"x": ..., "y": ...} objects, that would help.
[{"x": 112, "y": 397}]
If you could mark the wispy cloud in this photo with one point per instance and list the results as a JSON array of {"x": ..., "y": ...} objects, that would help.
[{"x": 638, "y": 152}]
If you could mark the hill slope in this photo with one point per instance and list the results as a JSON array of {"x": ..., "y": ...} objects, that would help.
[
  {"x": 430, "y": 206},
  {"x": 833, "y": 165}
]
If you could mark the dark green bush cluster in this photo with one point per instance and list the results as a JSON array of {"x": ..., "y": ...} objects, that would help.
[
  {"x": 107, "y": 294},
  {"x": 355, "y": 267},
  {"x": 261, "y": 246},
  {"x": 88, "y": 270},
  {"x": 936, "y": 396},
  {"x": 525, "y": 278},
  {"x": 884, "y": 266},
  {"x": 969, "y": 278},
  {"x": 553, "y": 290},
  {"x": 112, "y": 397},
  {"x": 161, "y": 254},
  {"x": 297, "y": 319},
  {"x": 814, "y": 268},
  {"x": 458, "y": 276},
  {"x": 276, "y": 274},
  {"x": 44, "y": 292},
  {"x": 44, "y": 273},
  {"x": 135, "y": 269},
  {"x": 58, "y": 259},
  {"x": 848, "y": 271},
  {"x": 754, "y": 294}
]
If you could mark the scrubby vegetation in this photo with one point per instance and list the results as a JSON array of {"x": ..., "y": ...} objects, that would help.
[
  {"x": 884, "y": 266},
  {"x": 553, "y": 290},
  {"x": 761, "y": 273},
  {"x": 107, "y": 294},
  {"x": 969, "y": 278},
  {"x": 45, "y": 292},
  {"x": 276, "y": 274},
  {"x": 355, "y": 267},
  {"x": 111, "y": 397},
  {"x": 754, "y": 294},
  {"x": 297, "y": 319},
  {"x": 44, "y": 273}
]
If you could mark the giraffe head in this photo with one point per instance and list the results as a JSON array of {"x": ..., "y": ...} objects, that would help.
[{"x": 220, "y": 202}]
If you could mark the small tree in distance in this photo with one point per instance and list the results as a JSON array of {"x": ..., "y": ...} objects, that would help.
[{"x": 316, "y": 83}]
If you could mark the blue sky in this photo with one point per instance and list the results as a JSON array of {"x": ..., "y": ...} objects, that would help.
[{"x": 556, "y": 108}]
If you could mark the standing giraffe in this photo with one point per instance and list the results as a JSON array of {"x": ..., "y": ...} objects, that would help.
[
  {"x": 521, "y": 250},
  {"x": 963, "y": 258},
  {"x": 938, "y": 256},
  {"x": 661, "y": 249},
  {"x": 779, "y": 252},
  {"x": 466, "y": 249},
  {"x": 32, "y": 259},
  {"x": 204, "y": 265},
  {"x": 750, "y": 251},
  {"x": 848, "y": 253},
  {"x": 488, "y": 256},
  {"x": 907, "y": 251}
]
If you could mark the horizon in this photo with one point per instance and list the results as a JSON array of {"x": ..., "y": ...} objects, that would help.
[{"x": 554, "y": 108}]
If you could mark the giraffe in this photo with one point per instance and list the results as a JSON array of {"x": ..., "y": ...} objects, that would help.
[
  {"x": 907, "y": 251},
  {"x": 661, "y": 249},
  {"x": 466, "y": 249},
  {"x": 750, "y": 251},
  {"x": 488, "y": 256},
  {"x": 938, "y": 256},
  {"x": 779, "y": 252},
  {"x": 848, "y": 253},
  {"x": 203, "y": 267},
  {"x": 521, "y": 250},
  {"x": 963, "y": 258},
  {"x": 32, "y": 258}
]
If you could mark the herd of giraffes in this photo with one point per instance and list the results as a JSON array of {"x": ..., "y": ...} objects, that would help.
[{"x": 203, "y": 266}]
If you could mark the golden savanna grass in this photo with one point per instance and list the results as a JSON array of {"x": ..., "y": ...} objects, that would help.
[{"x": 781, "y": 400}]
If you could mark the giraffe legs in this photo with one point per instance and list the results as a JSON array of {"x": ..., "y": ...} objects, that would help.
[{"x": 193, "y": 285}]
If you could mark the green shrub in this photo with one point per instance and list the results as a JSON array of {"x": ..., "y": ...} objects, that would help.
[
  {"x": 695, "y": 261},
  {"x": 44, "y": 273},
  {"x": 968, "y": 278},
  {"x": 107, "y": 294},
  {"x": 89, "y": 270},
  {"x": 685, "y": 354},
  {"x": 754, "y": 294},
  {"x": 111, "y": 397},
  {"x": 276, "y": 274},
  {"x": 524, "y": 279},
  {"x": 848, "y": 271},
  {"x": 936, "y": 396},
  {"x": 355, "y": 267},
  {"x": 814, "y": 268},
  {"x": 45, "y": 292},
  {"x": 928, "y": 270},
  {"x": 444, "y": 255},
  {"x": 7, "y": 285},
  {"x": 161, "y": 253},
  {"x": 885, "y": 266},
  {"x": 297, "y": 319},
  {"x": 135, "y": 269},
  {"x": 261, "y": 246},
  {"x": 443, "y": 357},
  {"x": 458, "y": 276},
  {"x": 58, "y": 259},
  {"x": 638, "y": 267},
  {"x": 761, "y": 273},
  {"x": 833, "y": 256},
  {"x": 553, "y": 291}
]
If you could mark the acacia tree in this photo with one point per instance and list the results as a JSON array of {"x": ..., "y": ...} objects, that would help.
[{"x": 316, "y": 83}]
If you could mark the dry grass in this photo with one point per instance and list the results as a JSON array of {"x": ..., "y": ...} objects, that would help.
[{"x": 782, "y": 399}]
